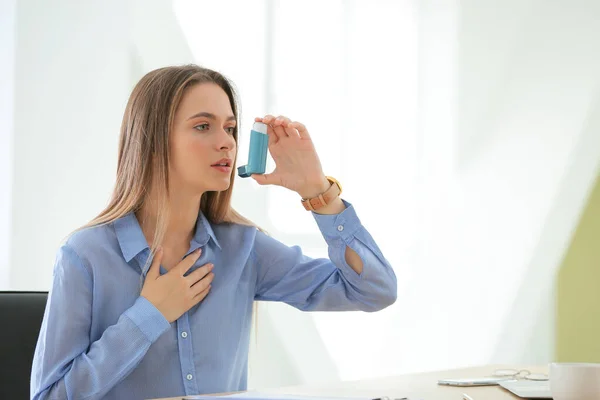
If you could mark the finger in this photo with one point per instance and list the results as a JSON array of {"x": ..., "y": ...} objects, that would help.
[
  {"x": 266, "y": 179},
  {"x": 280, "y": 132},
  {"x": 185, "y": 264},
  {"x": 154, "y": 271},
  {"x": 274, "y": 135},
  {"x": 302, "y": 131},
  {"x": 267, "y": 119},
  {"x": 281, "y": 120},
  {"x": 291, "y": 130},
  {"x": 199, "y": 273},
  {"x": 200, "y": 296},
  {"x": 203, "y": 284},
  {"x": 278, "y": 126}
]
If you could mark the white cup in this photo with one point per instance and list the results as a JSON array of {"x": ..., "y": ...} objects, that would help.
[{"x": 575, "y": 381}]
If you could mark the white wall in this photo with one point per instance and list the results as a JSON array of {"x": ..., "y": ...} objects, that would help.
[
  {"x": 7, "y": 69},
  {"x": 500, "y": 205},
  {"x": 76, "y": 64},
  {"x": 71, "y": 83}
]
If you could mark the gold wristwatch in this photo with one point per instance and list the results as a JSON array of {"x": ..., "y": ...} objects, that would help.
[{"x": 324, "y": 198}]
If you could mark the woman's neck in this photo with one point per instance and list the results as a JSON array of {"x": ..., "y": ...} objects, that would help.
[{"x": 183, "y": 214}]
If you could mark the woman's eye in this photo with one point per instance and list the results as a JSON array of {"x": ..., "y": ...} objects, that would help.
[
  {"x": 201, "y": 127},
  {"x": 231, "y": 130}
]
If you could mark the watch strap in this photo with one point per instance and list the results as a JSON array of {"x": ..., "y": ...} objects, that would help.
[{"x": 324, "y": 198}]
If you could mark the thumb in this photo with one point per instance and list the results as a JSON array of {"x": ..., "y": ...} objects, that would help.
[
  {"x": 265, "y": 179},
  {"x": 154, "y": 271}
]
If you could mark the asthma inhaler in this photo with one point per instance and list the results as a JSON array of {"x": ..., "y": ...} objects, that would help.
[{"x": 257, "y": 157}]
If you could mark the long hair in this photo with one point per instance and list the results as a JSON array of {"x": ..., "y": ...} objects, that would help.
[{"x": 147, "y": 122}]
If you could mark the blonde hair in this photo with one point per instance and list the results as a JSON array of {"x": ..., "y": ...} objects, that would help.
[{"x": 147, "y": 121}]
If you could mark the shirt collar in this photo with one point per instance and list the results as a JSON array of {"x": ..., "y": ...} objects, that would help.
[
  {"x": 130, "y": 236},
  {"x": 204, "y": 232},
  {"x": 132, "y": 240}
]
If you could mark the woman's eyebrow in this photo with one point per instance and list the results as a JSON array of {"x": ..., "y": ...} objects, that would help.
[{"x": 210, "y": 116}]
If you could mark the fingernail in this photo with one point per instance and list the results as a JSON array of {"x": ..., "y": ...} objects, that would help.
[
  {"x": 210, "y": 267},
  {"x": 198, "y": 250}
]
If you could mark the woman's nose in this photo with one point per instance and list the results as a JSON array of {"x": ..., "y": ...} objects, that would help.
[{"x": 226, "y": 141}]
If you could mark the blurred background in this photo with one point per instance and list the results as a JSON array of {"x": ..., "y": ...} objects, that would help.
[{"x": 466, "y": 133}]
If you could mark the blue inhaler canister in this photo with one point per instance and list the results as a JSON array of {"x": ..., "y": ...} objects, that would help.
[{"x": 257, "y": 157}]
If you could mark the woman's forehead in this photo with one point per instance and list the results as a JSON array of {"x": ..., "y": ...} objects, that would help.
[{"x": 205, "y": 97}]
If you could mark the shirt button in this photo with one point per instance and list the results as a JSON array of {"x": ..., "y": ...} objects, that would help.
[
  {"x": 340, "y": 228},
  {"x": 189, "y": 377},
  {"x": 183, "y": 334}
]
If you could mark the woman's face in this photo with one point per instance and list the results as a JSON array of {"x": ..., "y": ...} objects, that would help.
[{"x": 202, "y": 146}]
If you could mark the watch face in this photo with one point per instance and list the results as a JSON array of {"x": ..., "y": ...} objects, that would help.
[{"x": 334, "y": 181}]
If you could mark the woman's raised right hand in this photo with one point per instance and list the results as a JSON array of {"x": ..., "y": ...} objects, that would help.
[{"x": 172, "y": 293}]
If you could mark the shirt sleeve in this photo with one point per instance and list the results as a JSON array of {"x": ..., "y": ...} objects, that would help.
[
  {"x": 286, "y": 274},
  {"x": 66, "y": 365}
]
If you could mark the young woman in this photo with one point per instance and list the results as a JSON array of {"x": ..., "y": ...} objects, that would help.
[{"x": 153, "y": 298}]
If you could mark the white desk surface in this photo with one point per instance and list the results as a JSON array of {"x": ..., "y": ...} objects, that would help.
[{"x": 415, "y": 386}]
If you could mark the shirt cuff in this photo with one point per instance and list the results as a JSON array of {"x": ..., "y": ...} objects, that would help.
[
  {"x": 339, "y": 226},
  {"x": 148, "y": 319}
]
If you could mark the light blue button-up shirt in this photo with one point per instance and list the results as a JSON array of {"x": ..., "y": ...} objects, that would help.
[{"x": 101, "y": 339}]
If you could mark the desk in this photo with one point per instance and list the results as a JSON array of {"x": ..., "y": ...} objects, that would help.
[{"x": 420, "y": 386}]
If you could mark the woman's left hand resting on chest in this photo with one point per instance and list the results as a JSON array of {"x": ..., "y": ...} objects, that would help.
[{"x": 298, "y": 168}]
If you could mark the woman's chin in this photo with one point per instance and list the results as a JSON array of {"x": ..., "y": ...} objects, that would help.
[
  {"x": 222, "y": 186},
  {"x": 214, "y": 186}
]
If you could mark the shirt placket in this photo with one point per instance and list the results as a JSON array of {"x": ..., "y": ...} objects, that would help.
[{"x": 186, "y": 355}]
